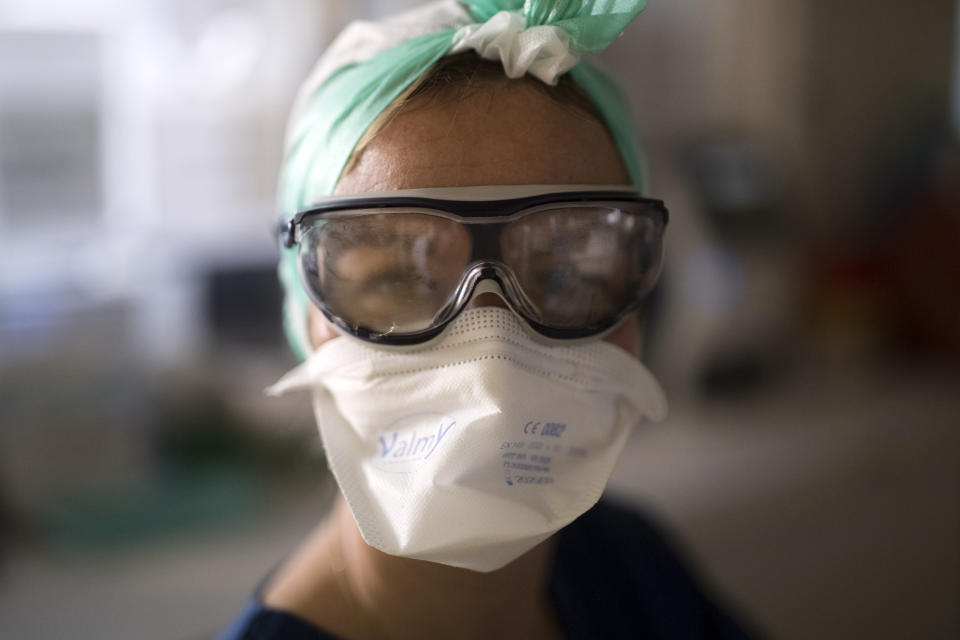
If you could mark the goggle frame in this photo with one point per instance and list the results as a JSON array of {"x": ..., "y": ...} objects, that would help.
[{"x": 472, "y": 206}]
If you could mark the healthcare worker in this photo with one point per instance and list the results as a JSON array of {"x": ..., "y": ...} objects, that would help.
[{"x": 465, "y": 254}]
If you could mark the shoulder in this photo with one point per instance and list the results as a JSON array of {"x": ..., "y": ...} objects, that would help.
[
  {"x": 258, "y": 622},
  {"x": 617, "y": 571},
  {"x": 614, "y": 521},
  {"x": 615, "y": 536}
]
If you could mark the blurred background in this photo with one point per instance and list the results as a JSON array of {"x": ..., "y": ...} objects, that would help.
[{"x": 806, "y": 327}]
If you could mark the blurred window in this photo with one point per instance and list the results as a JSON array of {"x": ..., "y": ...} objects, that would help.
[{"x": 50, "y": 165}]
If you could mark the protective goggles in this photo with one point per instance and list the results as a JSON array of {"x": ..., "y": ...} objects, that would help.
[{"x": 396, "y": 267}]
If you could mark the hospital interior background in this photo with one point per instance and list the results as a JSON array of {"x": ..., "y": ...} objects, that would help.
[{"x": 806, "y": 329}]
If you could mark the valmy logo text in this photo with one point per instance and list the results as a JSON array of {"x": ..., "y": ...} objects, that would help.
[{"x": 410, "y": 441}]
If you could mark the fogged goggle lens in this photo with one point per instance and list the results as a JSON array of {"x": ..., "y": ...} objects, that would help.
[
  {"x": 582, "y": 265},
  {"x": 397, "y": 275},
  {"x": 387, "y": 272}
]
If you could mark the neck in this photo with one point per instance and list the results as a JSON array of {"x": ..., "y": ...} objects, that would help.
[{"x": 349, "y": 588}]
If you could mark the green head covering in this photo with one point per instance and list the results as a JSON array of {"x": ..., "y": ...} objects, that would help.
[{"x": 372, "y": 63}]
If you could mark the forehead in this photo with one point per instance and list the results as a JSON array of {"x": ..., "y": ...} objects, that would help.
[{"x": 504, "y": 133}]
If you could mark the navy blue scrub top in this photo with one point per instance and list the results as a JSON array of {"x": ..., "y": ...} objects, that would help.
[{"x": 616, "y": 575}]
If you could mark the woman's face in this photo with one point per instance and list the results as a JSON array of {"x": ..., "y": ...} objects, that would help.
[{"x": 506, "y": 134}]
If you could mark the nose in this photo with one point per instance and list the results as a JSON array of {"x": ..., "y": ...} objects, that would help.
[{"x": 487, "y": 300}]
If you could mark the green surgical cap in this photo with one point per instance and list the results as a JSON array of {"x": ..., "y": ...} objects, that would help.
[{"x": 371, "y": 64}]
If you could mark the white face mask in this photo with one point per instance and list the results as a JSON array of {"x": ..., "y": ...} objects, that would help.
[{"x": 472, "y": 449}]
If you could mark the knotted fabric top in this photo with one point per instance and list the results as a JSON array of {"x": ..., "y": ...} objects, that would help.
[{"x": 370, "y": 64}]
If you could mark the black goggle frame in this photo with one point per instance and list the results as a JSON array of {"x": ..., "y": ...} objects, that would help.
[{"x": 485, "y": 262}]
